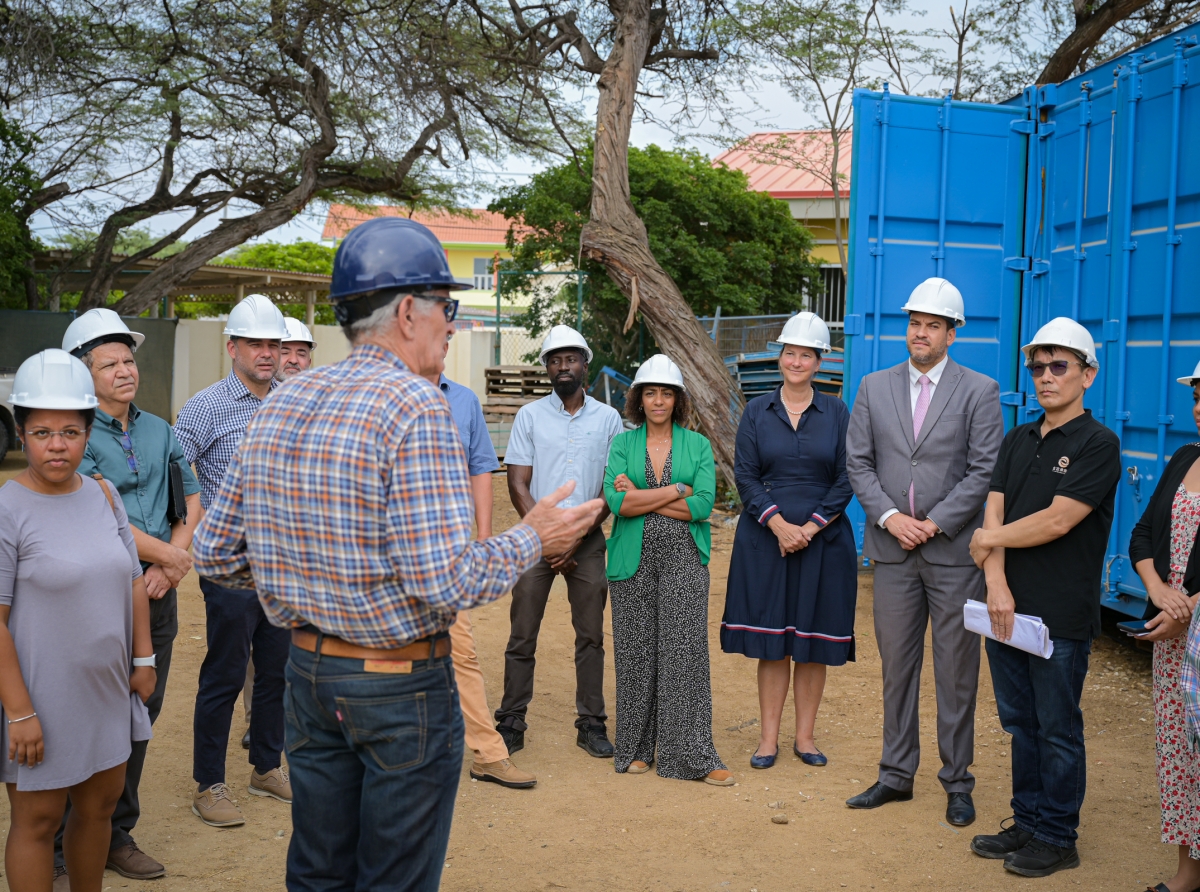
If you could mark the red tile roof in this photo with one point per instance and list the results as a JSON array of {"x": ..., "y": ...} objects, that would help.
[
  {"x": 769, "y": 170},
  {"x": 480, "y": 228}
]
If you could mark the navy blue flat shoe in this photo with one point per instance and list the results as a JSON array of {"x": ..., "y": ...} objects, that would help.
[
  {"x": 816, "y": 759},
  {"x": 757, "y": 761}
]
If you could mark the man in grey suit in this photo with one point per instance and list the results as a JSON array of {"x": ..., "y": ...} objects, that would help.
[{"x": 923, "y": 439}]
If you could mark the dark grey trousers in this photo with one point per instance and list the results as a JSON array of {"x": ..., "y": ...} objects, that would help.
[
  {"x": 164, "y": 626},
  {"x": 908, "y": 597},
  {"x": 587, "y": 592}
]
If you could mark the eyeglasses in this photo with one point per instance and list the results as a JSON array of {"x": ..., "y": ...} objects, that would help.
[
  {"x": 449, "y": 305},
  {"x": 1057, "y": 368},
  {"x": 70, "y": 435},
  {"x": 130, "y": 458}
]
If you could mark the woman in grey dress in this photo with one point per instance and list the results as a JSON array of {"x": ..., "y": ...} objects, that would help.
[{"x": 76, "y": 661}]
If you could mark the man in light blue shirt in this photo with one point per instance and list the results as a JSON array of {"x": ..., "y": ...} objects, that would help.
[{"x": 563, "y": 436}]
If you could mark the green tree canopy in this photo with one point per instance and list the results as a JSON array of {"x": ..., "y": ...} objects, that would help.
[
  {"x": 18, "y": 184},
  {"x": 722, "y": 244}
]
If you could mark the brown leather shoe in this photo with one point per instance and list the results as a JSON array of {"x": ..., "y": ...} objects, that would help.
[
  {"x": 130, "y": 861},
  {"x": 274, "y": 783},
  {"x": 214, "y": 807},
  {"x": 504, "y": 773},
  {"x": 61, "y": 883}
]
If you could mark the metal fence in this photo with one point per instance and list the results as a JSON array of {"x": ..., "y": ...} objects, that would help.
[{"x": 753, "y": 334}]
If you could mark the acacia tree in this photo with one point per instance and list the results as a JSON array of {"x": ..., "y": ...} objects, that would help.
[
  {"x": 627, "y": 49},
  {"x": 172, "y": 113},
  {"x": 1047, "y": 41}
]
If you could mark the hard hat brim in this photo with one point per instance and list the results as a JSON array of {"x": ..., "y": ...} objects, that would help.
[
  {"x": 1190, "y": 380},
  {"x": 54, "y": 402},
  {"x": 799, "y": 342}
]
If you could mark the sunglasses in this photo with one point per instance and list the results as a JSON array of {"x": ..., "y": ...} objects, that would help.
[
  {"x": 130, "y": 458},
  {"x": 449, "y": 305},
  {"x": 1057, "y": 368}
]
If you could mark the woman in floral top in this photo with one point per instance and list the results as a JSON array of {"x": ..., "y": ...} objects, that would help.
[{"x": 1164, "y": 552}]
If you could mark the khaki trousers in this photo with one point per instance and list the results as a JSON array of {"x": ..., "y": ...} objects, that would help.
[{"x": 481, "y": 736}]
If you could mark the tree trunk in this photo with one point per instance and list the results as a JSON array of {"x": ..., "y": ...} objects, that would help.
[
  {"x": 1089, "y": 31},
  {"x": 616, "y": 238}
]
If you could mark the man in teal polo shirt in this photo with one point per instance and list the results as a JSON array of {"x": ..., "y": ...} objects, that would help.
[{"x": 134, "y": 450}]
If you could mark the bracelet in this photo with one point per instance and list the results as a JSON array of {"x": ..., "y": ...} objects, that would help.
[{"x": 23, "y": 718}]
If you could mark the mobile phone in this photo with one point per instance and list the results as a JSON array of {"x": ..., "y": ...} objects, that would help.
[{"x": 1136, "y": 628}]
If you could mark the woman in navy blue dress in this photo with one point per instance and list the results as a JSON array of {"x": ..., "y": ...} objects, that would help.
[{"x": 793, "y": 577}]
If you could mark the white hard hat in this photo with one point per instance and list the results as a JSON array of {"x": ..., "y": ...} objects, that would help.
[
  {"x": 297, "y": 331},
  {"x": 53, "y": 379},
  {"x": 94, "y": 325},
  {"x": 1064, "y": 332},
  {"x": 560, "y": 337},
  {"x": 806, "y": 330},
  {"x": 1191, "y": 380},
  {"x": 256, "y": 317},
  {"x": 939, "y": 298},
  {"x": 659, "y": 369}
]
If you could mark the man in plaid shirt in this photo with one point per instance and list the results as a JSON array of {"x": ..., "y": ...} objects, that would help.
[{"x": 348, "y": 508}]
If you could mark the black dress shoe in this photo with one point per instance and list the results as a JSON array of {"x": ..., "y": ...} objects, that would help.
[
  {"x": 513, "y": 738},
  {"x": 246, "y": 740},
  {"x": 593, "y": 737},
  {"x": 878, "y": 794},
  {"x": 1000, "y": 845},
  {"x": 1040, "y": 859},
  {"x": 960, "y": 810}
]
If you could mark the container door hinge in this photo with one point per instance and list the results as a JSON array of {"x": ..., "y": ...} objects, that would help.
[
  {"x": 1020, "y": 264},
  {"x": 853, "y": 324},
  {"x": 1012, "y": 398},
  {"x": 1166, "y": 419},
  {"x": 1044, "y": 130},
  {"x": 1112, "y": 329},
  {"x": 1041, "y": 267},
  {"x": 1026, "y": 127}
]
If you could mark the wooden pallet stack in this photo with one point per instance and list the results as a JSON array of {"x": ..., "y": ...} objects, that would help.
[{"x": 508, "y": 388}]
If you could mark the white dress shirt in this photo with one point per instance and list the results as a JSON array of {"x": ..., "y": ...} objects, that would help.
[
  {"x": 914, "y": 393},
  {"x": 560, "y": 446}
]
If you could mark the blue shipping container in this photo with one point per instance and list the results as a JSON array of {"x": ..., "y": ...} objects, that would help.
[{"x": 1074, "y": 199}]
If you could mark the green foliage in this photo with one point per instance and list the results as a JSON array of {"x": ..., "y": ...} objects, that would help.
[
  {"x": 298, "y": 257},
  {"x": 18, "y": 184},
  {"x": 722, "y": 244}
]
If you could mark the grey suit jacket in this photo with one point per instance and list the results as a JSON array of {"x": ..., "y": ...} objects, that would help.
[{"x": 950, "y": 464}]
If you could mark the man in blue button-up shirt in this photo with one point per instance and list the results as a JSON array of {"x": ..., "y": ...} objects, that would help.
[
  {"x": 134, "y": 450},
  {"x": 563, "y": 436}
]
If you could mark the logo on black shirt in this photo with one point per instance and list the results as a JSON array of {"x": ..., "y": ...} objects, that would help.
[{"x": 1062, "y": 465}]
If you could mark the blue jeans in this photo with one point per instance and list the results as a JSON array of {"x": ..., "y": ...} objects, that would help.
[
  {"x": 375, "y": 760},
  {"x": 1038, "y": 702},
  {"x": 235, "y": 622}
]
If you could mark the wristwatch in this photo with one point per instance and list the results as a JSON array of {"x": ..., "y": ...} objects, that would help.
[
  {"x": 151, "y": 661},
  {"x": 680, "y": 488}
]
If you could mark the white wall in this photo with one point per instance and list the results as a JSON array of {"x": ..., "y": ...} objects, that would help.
[{"x": 201, "y": 358}]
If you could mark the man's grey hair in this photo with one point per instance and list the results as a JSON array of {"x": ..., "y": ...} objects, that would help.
[{"x": 381, "y": 318}]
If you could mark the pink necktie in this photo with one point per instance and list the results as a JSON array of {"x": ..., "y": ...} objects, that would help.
[{"x": 918, "y": 420}]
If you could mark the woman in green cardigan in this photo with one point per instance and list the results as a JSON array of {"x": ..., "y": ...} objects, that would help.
[{"x": 660, "y": 484}]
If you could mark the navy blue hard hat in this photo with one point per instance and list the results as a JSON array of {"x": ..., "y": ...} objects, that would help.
[{"x": 388, "y": 253}]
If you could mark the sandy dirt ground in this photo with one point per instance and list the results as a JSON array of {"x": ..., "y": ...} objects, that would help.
[{"x": 584, "y": 827}]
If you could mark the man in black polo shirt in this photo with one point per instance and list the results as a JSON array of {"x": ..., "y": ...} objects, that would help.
[{"x": 1042, "y": 550}]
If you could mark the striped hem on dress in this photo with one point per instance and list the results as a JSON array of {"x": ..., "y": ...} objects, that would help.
[{"x": 799, "y": 634}]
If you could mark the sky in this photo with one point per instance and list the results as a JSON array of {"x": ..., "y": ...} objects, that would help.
[{"x": 766, "y": 107}]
